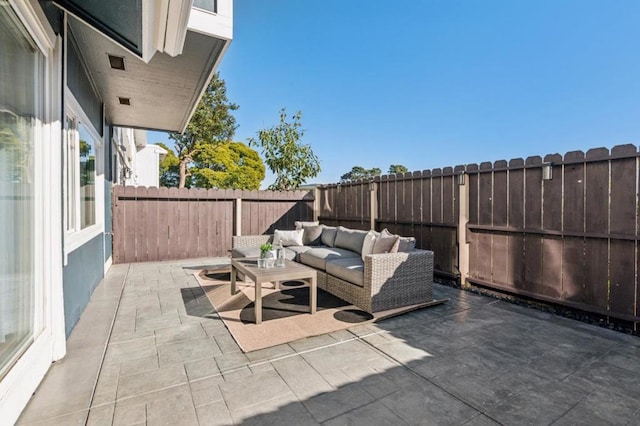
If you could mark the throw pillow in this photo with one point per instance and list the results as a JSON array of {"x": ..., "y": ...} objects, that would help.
[
  {"x": 350, "y": 239},
  {"x": 328, "y": 237},
  {"x": 369, "y": 241},
  {"x": 386, "y": 243},
  {"x": 312, "y": 235},
  {"x": 301, "y": 224},
  {"x": 407, "y": 244},
  {"x": 288, "y": 238}
]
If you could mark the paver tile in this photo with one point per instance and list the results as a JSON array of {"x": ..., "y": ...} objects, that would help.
[
  {"x": 301, "y": 378},
  {"x": 367, "y": 415},
  {"x": 151, "y": 381},
  {"x": 332, "y": 404},
  {"x": 253, "y": 390}
]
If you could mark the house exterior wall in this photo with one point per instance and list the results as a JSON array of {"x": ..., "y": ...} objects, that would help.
[
  {"x": 81, "y": 275},
  {"x": 57, "y": 122}
]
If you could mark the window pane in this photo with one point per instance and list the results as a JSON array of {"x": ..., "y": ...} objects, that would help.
[
  {"x": 87, "y": 177},
  {"x": 20, "y": 78},
  {"x": 70, "y": 174},
  {"x": 210, "y": 5}
]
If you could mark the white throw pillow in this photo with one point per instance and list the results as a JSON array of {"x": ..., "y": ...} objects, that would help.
[
  {"x": 367, "y": 244},
  {"x": 288, "y": 238}
]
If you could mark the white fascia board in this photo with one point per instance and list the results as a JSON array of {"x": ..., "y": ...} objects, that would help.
[
  {"x": 219, "y": 25},
  {"x": 176, "y": 27},
  {"x": 164, "y": 24}
]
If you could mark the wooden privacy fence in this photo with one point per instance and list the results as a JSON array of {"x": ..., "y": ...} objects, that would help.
[
  {"x": 421, "y": 204},
  {"x": 570, "y": 237},
  {"x": 559, "y": 229},
  {"x": 151, "y": 224}
]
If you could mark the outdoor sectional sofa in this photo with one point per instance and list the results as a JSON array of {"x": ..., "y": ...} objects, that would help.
[{"x": 373, "y": 282}]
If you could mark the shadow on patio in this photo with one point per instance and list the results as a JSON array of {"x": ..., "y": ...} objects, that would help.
[{"x": 161, "y": 356}]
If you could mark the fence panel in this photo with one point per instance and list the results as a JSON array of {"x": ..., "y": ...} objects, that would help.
[
  {"x": 569, "y": 238},
  {"x": 151, "y": 224}
]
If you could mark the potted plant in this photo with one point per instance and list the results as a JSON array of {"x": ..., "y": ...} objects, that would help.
[{"x": 266, "y": 255}]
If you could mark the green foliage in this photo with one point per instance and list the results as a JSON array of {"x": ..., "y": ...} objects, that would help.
[
  {"x": 358, "y": 172},
  {"x": 228, "y": 165},
  {"x": 265, "y": 248},
  {"x": 291, "y": 162},
  {"x": 211, "y": 123},
  {"x": 14, "y": 155},
  {"x": 85, "y": 148},
  {"x": 396, "y": 169},
  {"x": 169, "y": 168}
]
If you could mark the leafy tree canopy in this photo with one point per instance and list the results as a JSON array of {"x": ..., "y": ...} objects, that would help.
[
  {"x": 169, "y": 168},
  {"x": 358, "y": 172},
  {"x": 228, "y": 165},
  {"x": 291, "y": 162},
  {"x": 395, "y": 169},
  {"x": 211, "y": 123}
]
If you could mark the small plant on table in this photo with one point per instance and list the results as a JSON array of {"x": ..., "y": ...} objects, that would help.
[{"x": 264, "y": 249}]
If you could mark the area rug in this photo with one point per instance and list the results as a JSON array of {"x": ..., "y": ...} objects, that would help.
[{"x": 285, "y": 312}]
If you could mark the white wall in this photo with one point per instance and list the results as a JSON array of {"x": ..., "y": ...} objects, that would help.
[{"x": 147, "y": 162}]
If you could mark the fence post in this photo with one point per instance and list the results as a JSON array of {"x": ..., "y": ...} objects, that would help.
[
  {"x": 316, "y": 203},
  {"x": 238, "y": 219},
  {"x": 373, "y": 204},
  {"x": 463, "y": 245}
]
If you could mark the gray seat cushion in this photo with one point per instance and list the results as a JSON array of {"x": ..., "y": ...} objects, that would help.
[
  {"x": 245, "y": 252},
  {"x": 350, "y": 269},
  {"x": 317, "y": 257},
  {"x": 292, "y": 252}
]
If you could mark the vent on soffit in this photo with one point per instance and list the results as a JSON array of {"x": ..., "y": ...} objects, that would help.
[
  {"x": 124, "y": 101},
  {"x": 116, "y": 62}
]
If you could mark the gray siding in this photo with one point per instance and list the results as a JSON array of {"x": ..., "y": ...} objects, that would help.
[{"x": 81, "y": 275}]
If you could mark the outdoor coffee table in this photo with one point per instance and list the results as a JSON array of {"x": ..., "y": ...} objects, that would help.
[{"x": 291, "y": 271}]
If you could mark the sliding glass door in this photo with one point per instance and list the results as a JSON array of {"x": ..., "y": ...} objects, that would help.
[{"x": 21, "y": 79}]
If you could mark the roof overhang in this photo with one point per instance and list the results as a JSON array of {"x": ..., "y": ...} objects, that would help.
[
  {"x": 158, "y": 90},
  {"x": 143, "y": 27}
]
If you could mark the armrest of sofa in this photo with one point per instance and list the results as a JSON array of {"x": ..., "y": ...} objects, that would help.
[
  {"x": 250, "y": 240},
  {"x": 404, "y": 277}
]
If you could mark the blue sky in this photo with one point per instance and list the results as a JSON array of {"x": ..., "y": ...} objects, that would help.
[{"x": 431, "y": 84}]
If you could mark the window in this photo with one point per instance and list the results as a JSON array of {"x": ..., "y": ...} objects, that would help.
[
  {"x": 80, "y": 174},
  {"x": 21, "y": 78}
]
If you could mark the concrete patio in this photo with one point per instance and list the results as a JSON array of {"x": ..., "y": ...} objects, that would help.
[{"x": 150, "y": 350}]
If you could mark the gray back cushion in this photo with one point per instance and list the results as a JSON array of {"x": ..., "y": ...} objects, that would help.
[
  {"x": 350, "y": 239},
  {"x": 328, "y": 235},
  {"x": 312, "y": 235}
]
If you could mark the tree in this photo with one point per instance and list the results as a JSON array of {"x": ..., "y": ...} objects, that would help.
[
  {"x": 396, "y": 169},
  {"x": 358, "y": 172},
  {"x": 169, "y": 168},
  {"x": 211, "y": 123},
  {"x": 291, "y": 162},
  {"x": 227, "y": 165}
]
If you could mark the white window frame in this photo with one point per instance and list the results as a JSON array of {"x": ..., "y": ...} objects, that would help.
[{"x": 76, "y": 237}]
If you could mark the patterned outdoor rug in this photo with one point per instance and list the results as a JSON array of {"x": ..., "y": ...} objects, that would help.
[{"x": 285, "y": 313}]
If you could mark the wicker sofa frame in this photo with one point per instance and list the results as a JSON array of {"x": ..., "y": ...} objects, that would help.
[{"x": 391, "y": 280}]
